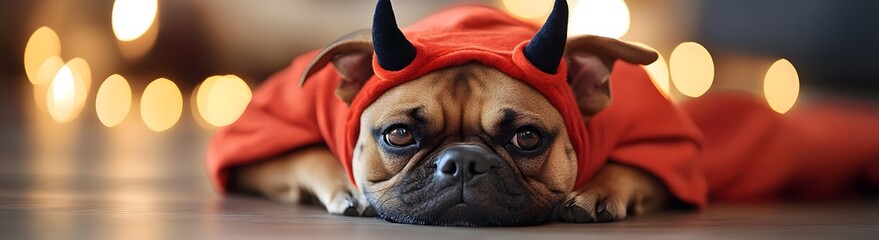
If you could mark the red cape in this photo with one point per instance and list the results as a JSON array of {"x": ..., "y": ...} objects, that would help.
[{"x": 641, "y": 128}]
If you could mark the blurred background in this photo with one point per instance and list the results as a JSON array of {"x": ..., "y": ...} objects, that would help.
[{"x": 130, "y": 90}]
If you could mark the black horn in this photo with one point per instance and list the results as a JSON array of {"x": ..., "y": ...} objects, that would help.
[
  {"x": 547, "y": 47},
  {"x": 393, "y": 50}
]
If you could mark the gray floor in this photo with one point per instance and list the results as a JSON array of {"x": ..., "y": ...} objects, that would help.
[{"x": 162, "y": 209}]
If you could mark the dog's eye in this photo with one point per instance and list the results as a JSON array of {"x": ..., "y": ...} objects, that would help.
[
  {"x": 400, "y": 137},
  {"x": 527, "y": 139}
]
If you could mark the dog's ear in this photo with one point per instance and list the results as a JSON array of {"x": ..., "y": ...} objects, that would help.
[
  {"x": 590, "y": 60},
  {"x": 351, "y": 55}
]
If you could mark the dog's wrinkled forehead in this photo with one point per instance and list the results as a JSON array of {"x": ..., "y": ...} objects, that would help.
[{"x": 472, "y": 94}]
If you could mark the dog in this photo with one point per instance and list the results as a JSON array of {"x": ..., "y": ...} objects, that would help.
[{"x": 470, "y": 118}]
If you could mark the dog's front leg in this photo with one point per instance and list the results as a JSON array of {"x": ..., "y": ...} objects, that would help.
[
  {"x": 616, "y": 191},
  {"x": 299, "y": 175}
]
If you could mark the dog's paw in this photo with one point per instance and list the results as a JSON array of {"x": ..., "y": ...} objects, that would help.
[
  {"x": 593, "y": 204},
  {"x": 349, "y": 203}
]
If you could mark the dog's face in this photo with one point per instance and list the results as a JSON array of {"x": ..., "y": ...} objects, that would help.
[{"x": 466, "y": 145}]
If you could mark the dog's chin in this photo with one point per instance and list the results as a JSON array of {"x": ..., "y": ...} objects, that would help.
[
  {"x": 469, "y": 216},
  {"x": 473, "y": 207}
]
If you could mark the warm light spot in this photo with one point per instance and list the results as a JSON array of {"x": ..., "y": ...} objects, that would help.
[
  {"x": 202, "y": 94},
  {"x": 529, "y": 9},
  {"x": 42, "y": 45},
  {"x": 47, "y": 70},
  {"x": 79, "y": 65},
  {"x": 82, "y": 77},
  {"x": 692, "y": 69},
  {"x": 136, "y": 49},
  {"x": 132, "y": 18},
  {"x": 113, "y": 101},
  {"x": 658, "y": 71},
  {"x": 226, "y": 100},
  {"x": 60, "y": 99},
  {"x": 609, "y": 18},
  {"x": 44, "y": 77},
  {"x": 161, "y": 105},
  {"x": 193, "y": 103},
  {"x": 781, "y": 86}
]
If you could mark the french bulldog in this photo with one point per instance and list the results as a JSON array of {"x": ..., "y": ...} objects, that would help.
[{"x": 466, "y": 144}]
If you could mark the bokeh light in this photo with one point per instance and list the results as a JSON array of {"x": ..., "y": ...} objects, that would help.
[
  {"x": 609, "y": 18},
  {"x": 138, "y": 48},
  {"x": 161, "y": 105},
  {"x": 691, "y": 68},
  {"x": 62, "y": 92},
  {"x": 82, "y": 79},
  {"x": 658, "y": 71},
  {"x": 81, "y": 66},
  {"x": 528, "y": 9},
  {"x": 132, "y": 18},
  {"x": 47, "y": 70},
  {"x": 222, "y": 99},
  {"x": 201, "y": 96},
  {"x": 196, "y": 114},
  {"x": 781, "y": 86},
  {"x": 113, "y": 100},
  {"x": 42, "y": 45},
  {"x": 44, "y": 76}
]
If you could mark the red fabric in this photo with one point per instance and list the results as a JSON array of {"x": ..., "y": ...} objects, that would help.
[
  {"x": 753, "y": 154},
  {"x": 640, "y": 128},
  {"x": 281, "y": 117}
]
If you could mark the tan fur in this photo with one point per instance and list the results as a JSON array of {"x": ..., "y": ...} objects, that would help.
[{"x": 313, "y": 171}]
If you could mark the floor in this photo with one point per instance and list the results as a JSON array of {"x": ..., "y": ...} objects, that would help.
[
  {"x": 165, "y": 209},
  {"x": 81, "y": 180}
]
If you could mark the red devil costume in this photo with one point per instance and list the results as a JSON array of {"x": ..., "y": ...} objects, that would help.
[{"x": 733, "y": 145}]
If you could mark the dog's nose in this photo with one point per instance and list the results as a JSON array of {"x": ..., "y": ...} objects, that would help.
[{"x": 457, "y": 161}]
